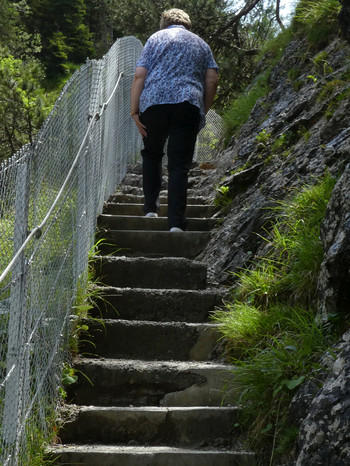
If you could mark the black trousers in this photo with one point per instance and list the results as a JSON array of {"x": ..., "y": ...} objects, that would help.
[{"x": 179, "y": 122}]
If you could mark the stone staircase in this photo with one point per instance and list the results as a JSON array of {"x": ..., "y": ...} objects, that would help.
[{"x": 156, "y": 392}]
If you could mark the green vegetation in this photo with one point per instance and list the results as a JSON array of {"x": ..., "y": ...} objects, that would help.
[
  {"x": 318, "y": 19},
  {"x": 270, "y": 147},
  {"x": 88, "y": 297},
  {"x": 23, "y": 104},
  {"x": 238, "y": 110},
  {"x": 223, "y": 198},
  {"x": 273, "y": 338},
  {"x": 36, "y": 448}
]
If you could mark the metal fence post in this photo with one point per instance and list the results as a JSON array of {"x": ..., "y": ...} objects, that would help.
[{"x": 16, "y": 355}]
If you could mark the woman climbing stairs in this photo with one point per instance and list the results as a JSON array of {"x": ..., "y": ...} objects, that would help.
[{"x": 156, "y": 393}]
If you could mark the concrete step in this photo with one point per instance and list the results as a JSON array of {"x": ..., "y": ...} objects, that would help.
[
  {"x": 112, "y": 455},
  {"x": 143, "y": 272},
  {"x": 194, "y": 179},
  {"x": 163, "y": 199},
  {"x": 131, "y": 222},
  {"x": 137, "y": 191},
  {"x": 195, "y": 427},
  {"x": 123, "y": 382},
  {"x": 149, "y": 340},
  {"x": 153, "y": 243},
  {"x": 196, "y": 167},
  {"x": 192, "y": 211},
  {"x": 160, "y": 305}
]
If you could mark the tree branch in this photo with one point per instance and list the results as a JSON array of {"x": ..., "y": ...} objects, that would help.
[
  {"x": 278, "y": 18},
  {"x": 235, "y": 19},
  {"x": 234, "y": 47}
]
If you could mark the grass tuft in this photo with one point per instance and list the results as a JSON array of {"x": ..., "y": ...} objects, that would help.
[
  {"x": 318, "y": 19},
  {"x": 273, "y": 337}
]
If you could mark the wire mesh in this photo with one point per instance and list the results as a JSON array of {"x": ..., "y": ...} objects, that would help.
[
  {"x": 37, "y": 295},
  {"x": 51, "y": 193},
  {"x": 210, "y": 138}
]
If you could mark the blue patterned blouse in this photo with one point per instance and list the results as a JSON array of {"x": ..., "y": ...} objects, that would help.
[{"x": 176, "y": 61}]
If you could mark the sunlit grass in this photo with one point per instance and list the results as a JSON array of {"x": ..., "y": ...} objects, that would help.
[{"x": 272, "y": 335}]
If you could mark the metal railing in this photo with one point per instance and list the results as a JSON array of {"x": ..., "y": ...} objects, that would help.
[{"x": 51, "y": 194}]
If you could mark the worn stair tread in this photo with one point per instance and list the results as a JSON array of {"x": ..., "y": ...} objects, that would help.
[
  {"x": 124, "y": 455},
  {"x": 136, "y": 222},
  {"x": 140, "y": 364},
  {"x": 194, "y": 179},
  {"x": 140, "y": 449},
  {"x": 159, "y": 304},
  {"x": 154, "y": 425},
  {"x": 163, "y": 199},
  {"x": 153, "y": 243},
  {"x": 163, "y": 411},
  {"x": 123, "y": 382},
  {"x": 192, "y": 210},
  {"x": 151, "y": 340},
  {"x": 145, "y": 272},
  {"x": 138, "y": 191}
]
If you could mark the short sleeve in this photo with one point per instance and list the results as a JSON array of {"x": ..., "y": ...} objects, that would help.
[
  {"x": 145, "y": 57},
  {"x": 211, "y": 63}
]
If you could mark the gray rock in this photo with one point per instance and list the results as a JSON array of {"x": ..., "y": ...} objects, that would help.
[
  {"x": 334, "y": 281},
  {"x": 325, "y": 433},
  {"x": 318, "y": 142}
]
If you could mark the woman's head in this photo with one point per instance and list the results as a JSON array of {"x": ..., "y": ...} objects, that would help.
[{"x": 173, "y": 17}]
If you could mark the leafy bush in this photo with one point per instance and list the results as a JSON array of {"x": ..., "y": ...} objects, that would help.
[{"x": 23, "y": 103}]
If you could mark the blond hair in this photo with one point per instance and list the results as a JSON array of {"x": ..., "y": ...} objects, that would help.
[{"x": 173, "y": 17}]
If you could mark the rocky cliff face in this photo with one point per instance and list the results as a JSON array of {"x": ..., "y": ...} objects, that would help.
[{"x": 300, "y": 131}]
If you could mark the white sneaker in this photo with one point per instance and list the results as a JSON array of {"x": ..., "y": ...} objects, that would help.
[
  {"x": 151, "y": 215},
  {"x": 175, "y": 229}
]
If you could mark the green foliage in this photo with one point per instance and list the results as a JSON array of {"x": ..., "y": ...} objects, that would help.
[
  {"x": 57, "y": 54},
  {"x": 223, "y": 198},
  {"x": 38, "y": 439},
  {"x": 281, "y": 143},
  {"x": 318, "y": 19},
  {"x": 269, "y": 147},
  {"x": 18, "y": 41},
  {"x": 321, "y": 62},
  {"x": 273, "y": 338},
  {"x": 64, "y": 34},
  {"x": 88, "y": 297},
  {"x": 68, "y": 375},
  {"x": 239, "y": 108},
  {"x": 270, "y": 373},
  {"x": 273, "y": 48},
  {"x": 22, "y": 103},
  {"x": 263, "y": 138}
]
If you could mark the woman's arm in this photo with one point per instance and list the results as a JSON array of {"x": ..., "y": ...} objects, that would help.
[
  {"x": 210, "y": 86},
  {"x": 136, "y": 90}
]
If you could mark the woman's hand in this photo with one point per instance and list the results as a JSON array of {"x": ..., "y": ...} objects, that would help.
[
  {"x": 136, "y": 91},
  {"x": 140, "y": 126}
]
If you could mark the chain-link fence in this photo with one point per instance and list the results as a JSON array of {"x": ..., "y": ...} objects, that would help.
[
  {"x": 51, "y": 194},
  {"x": 210, "y": 138}
]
